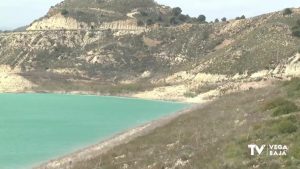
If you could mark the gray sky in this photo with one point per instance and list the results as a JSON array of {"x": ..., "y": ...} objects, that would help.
[{"x": 16, "y": 13}]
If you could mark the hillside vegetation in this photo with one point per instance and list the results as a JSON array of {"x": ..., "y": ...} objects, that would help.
[{"x": 217, "y": 135}]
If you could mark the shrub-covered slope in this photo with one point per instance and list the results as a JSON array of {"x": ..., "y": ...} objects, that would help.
[{"x": 217, "y": 136}]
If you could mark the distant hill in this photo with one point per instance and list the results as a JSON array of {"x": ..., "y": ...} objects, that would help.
[
  {"x": 114, "y": 14},
  {"x": 20, "y": 29}
]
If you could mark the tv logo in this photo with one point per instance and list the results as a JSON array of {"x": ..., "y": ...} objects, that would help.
[
  {"x": 272, "y": 149},
  {"x": 254, "y": 147}
]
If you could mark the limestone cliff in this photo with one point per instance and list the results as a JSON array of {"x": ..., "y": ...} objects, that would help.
[{"x": 57, "y": 22}]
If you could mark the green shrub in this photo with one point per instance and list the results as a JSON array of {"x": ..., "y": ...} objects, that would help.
[
  {"x": 292, "y": 118},
  {"x": 176, "y": 11},
  {"x": 296, "y": 29},
  {"x": 241, "y": 17},
  {"x": 207, "y": 87},
  {"x": 293, "y": 87},
  {"x": 64, "y": 12},
  {"x": 275, "y": 103},
  {"x": 286, "y": 126},
  {"x": 288, "y": 107},
  {"x": 296, "y": 33},
  {"x": 149, "y": 22},
  {"x": 143, "y": 13},
  {"x": 190, "y": 94},
  {"x": 182, "y": 18},
  {"x": 281, "y": 106},
  {"x": 140, "y": 23},
  {"x": 287, "y": 11},
  {"x": 201, "y": 18},
  {"x": 224, "y": 19}
]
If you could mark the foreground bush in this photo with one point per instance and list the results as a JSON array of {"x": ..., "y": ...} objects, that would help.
[
  {"x": 286, "y": 126},
  {"x": 293, "y": 87},
  {"x": 287, "y": 108},
  {"x": 296, "y": 29},
  {"x": 281, "y": 106}
]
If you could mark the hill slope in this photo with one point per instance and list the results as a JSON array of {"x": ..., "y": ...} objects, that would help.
[
  {"x": 214, "y": 137},
  {"x": 184, "y": 60},
  {"x": 103, "y": 14}
]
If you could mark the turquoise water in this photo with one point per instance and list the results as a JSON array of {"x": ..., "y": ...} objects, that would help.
[{"x": 35, "y": 128}]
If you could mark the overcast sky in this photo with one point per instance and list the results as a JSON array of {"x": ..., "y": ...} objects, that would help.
[{"x": 16, "y": 13}]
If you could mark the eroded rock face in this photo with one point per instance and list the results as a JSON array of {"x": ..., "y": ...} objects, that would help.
[
  {"x": 57, "y": 22},
  {"x": 10, "y": 81},
  {"x": 130, "y": 24},
  {"x": 60, "y": 22},
  {"x": 293, "y": 67}
]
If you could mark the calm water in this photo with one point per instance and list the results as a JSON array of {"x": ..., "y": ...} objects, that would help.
[{"x": 37, "y": 127}]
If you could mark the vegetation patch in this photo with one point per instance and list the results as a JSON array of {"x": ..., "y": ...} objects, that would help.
[
  {"x": 296, "y": 29},
  {"x": 281, "y": 131},
  {"x": 240, "y": 17},
  {"x": 64, "y": 12},
  {"x": 287, "y": 108},
  {"x": 293, "y": 87},
  {"x": 286, "y": 126},
  {"x": 217, "y": 141},
  {"x": 287, "y": 11},
  {"x": 190, "y": 94},
  {"x": 281, "y": 106}
]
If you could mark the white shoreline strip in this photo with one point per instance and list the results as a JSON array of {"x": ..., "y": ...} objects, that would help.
[{"x": 93, "y": 94}]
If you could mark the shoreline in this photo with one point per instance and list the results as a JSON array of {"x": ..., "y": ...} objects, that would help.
[
  {"x": 88, "y": 152},
  {"x": 87, "y": 93},
  {"x": 66, "y": 160}
]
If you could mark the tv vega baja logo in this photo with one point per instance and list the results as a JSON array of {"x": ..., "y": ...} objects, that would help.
[{"x": 271, "y": 149}]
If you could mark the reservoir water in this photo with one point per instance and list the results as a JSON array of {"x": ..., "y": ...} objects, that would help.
[{"x": 35, "y": 128}]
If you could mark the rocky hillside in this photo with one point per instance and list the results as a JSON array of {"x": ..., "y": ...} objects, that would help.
[
  {"x": 103, "y": 14},
  {"x": 143, "y": 49}
]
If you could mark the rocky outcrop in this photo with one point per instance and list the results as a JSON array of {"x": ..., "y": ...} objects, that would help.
[
  {"x": 10, "y": 81},
  {"x": 60, "y": 22},
  {"x": 293, "y": 67},
  {"x": 130, "y": 24},
  {"x": 57, "y": 22}
]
